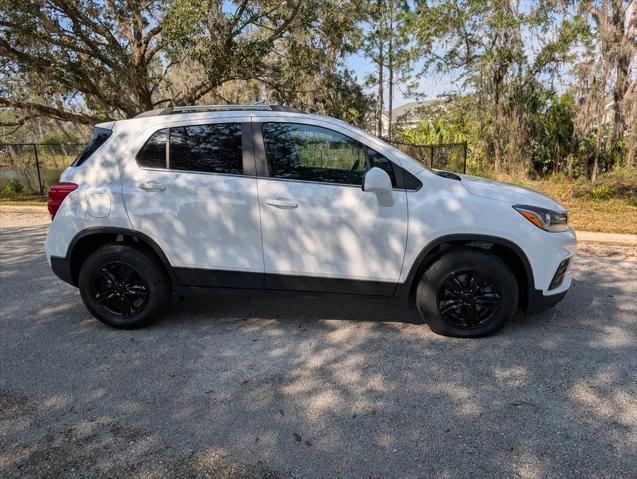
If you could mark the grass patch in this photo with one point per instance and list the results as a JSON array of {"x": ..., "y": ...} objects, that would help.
[
  {"x": 609, "y": 205},
  {"x": 22, "y": 200}
]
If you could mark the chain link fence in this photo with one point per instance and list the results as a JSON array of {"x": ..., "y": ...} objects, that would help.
[
  {"x": 30, "y": 168},
  {"x": 447, "y": 156}
]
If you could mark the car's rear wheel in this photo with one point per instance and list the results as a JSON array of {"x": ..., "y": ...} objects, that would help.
[
  {"x": 123, "y": 287},
  {"x": 467, "y": 293}
]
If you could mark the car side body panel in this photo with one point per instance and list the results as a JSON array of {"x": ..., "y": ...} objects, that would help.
[
  {"x": 327, "y": 230},
  {"x": 209, "y": 230}
]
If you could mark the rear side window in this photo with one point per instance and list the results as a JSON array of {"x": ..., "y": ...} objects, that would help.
[
  {"x": 153, "y": 153},
  {"x": 100, "y": 135},
  {"x": 212, "y": 148}
]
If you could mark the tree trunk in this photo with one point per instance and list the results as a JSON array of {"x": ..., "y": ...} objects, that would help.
[
  {"x": 381, "y": 67},
  {"x": 595, "y": 171},
  {"x": 390, "y": 99},
  {"x": 622, "y": 70},
  {"x": 390, "y": 68},
  {"x": 497, "y": 120}
]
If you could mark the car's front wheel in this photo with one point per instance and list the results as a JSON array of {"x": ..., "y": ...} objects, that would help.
[
  {"x": 123, "y": 287},
  {"x": 467, "y": 293}
]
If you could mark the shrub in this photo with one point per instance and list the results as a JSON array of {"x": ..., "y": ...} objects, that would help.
[
  {"x": 13, "y": 187},
  {"x": 599, "y": 192}
]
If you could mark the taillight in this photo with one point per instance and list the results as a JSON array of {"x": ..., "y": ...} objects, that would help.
[{"x": 57, "y": 193}]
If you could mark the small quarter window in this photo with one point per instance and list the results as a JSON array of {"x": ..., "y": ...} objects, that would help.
[
  {"x": 153, "y": 153},
  {"x": 379, "y": 161},
  {"x": 100, "y": 135}
]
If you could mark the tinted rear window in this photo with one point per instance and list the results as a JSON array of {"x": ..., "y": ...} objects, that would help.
[
  {"x": 212, "y": 148},
  {"x": 100, "y": 135}
]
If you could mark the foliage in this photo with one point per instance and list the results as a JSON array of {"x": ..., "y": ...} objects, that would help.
[
  {"x": 605, "y": 84},
  {"x": 92, "y": 60},
  {"x": 55, "y": 138},
  {"x": 599, "y": 192},
  {"x": 388, "y": 44},
  {"x": 432, "y": 131},
  {"x": 537, "y": 88},
  {"x": 485, "y": 44},
  {"x": 553, "y": 139},
  {"x": 13, "y": 187}
]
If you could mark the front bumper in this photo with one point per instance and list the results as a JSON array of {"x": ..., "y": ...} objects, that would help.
[
  {"x": 538, "y": 302},
  {"x": 550, "y": 256},
  {"x": 546, "y": 252}
]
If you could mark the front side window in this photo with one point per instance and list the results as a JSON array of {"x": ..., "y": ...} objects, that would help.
[
  {"x": 311, "y": 153},
  {"x": 212, "y": 148}
]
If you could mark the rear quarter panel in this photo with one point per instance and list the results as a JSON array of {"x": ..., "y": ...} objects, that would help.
[{"x": 98, "y": 199}]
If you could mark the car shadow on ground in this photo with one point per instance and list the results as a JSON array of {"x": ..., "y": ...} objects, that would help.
[{"x": 257, "y": 386}]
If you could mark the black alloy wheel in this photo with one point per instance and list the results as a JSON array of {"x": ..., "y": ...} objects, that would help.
[
  {"x": 467, "y": 293},
  {"x": 120, "y": 289},
  {"x": 124, "y": 286},
  {"x": 468, "y": 299}
]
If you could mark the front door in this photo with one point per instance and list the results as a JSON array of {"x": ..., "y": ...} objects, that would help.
[
  {"x": 321, "y": 231},
  {"x": 193, "y": 190}
]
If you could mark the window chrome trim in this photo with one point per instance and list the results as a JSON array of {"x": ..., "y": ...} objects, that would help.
[
  {"x": 193, "y": 172},
  {"x": 294, "y": 180}
]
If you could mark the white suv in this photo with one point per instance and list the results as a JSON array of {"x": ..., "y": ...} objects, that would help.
[{"x": 271, "y": 198}]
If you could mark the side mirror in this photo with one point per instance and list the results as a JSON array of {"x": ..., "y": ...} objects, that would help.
[{"x": 377, "y": 180}]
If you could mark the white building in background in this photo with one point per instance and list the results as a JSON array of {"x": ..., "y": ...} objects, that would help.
[{"x": 410, "y": 114}]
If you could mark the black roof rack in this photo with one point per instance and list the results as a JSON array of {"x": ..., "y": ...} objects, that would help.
[{"x": 173, "y": 110}]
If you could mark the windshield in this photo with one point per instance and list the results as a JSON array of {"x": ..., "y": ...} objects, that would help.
[{"x": 100, "y": 135}]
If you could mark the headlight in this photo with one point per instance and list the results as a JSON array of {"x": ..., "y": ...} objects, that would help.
[{"x": 548, "y": 220}]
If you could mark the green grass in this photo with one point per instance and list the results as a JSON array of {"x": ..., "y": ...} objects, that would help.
[
  {"x": 609, "y": 205},
  {"x": 22, "y": 200}
]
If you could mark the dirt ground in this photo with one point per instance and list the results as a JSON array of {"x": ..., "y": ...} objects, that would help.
[{"x": 244, "y": 387}]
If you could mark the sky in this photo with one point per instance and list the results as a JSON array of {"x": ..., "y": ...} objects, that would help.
[{"x": 430, "y": 84}]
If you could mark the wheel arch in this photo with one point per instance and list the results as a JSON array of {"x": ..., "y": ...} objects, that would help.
[
  {"x": 90, "y": 239},
  {"x": 503, "y": 248}
]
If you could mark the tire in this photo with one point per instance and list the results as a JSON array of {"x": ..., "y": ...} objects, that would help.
[
  {"x": 467, "y": 294},
  {"x": 123, "y": 287}
]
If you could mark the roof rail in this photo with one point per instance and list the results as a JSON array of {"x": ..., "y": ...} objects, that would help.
[{"x": 173, "y": 110}]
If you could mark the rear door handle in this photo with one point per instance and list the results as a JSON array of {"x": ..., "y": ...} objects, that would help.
[
  {"x": 283, "y": 204},
  {"x": 152, "y": 186}
]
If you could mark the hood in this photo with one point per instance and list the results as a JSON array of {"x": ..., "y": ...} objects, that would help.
[{"x": 512, "y": 194}]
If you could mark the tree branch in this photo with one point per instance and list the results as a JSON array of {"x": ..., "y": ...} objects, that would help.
[{"x": 52, "y": 112}]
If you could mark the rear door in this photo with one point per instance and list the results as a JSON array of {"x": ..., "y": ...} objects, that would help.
[
  {"x": 321, "y": 231},
  {"x": 192, "y": 188}
]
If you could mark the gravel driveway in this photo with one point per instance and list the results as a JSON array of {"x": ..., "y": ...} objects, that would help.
[{"x": 264, "y": 387}]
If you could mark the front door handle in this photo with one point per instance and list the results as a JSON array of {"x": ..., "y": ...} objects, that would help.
[
  {"x": 283, "y": 204},
  {"x": 152, "y": 186}
]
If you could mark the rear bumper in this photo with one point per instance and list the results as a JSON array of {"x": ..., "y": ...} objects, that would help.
[
  {"x": 539, "y": 302},
  {"x": 62, "y": 269}
]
